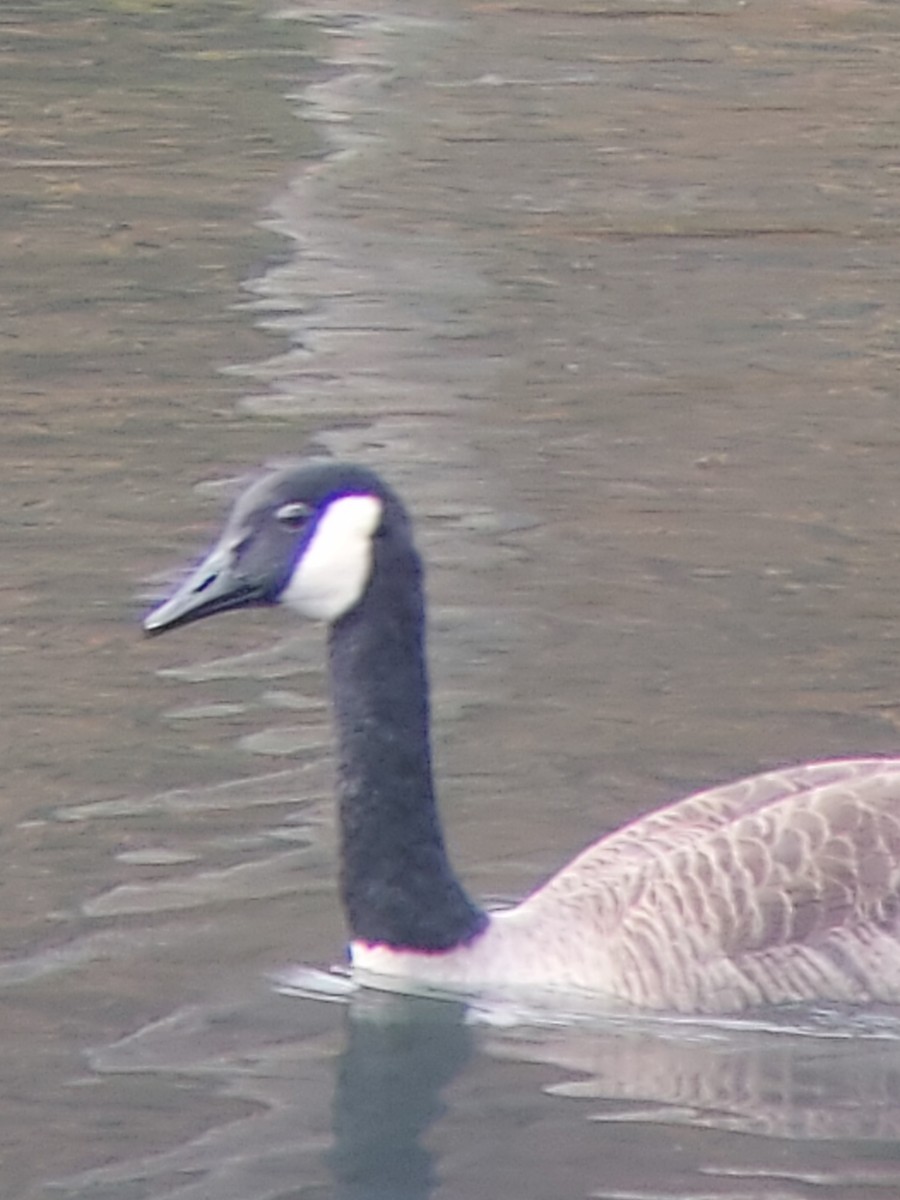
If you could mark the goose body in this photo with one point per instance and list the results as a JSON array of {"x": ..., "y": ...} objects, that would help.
[{"x": 782, "y": 888}]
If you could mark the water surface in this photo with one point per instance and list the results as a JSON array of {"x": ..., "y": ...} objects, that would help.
[{"x": 611, "y": 296}]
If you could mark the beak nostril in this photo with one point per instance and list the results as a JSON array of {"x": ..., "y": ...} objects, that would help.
[{"x": 207, "y": 582}]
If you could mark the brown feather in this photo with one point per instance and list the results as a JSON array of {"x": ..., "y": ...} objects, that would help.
[{"x": 783, "y": 887}]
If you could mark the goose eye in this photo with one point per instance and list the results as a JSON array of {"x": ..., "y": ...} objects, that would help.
[{"x": 293, "y": 515}]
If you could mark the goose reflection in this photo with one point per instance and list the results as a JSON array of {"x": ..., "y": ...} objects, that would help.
[
  {"x": 355, "y": 1104},
  {"x": 400, "y": 1054}
]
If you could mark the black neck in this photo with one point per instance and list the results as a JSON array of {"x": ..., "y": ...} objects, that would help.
[{"x": 397, "y": 884}]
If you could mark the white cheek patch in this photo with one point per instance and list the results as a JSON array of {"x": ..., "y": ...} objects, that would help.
[{"x": 334, "y": 569}]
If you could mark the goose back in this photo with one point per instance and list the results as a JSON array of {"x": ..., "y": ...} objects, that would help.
[{"x": 784, "y": 887}]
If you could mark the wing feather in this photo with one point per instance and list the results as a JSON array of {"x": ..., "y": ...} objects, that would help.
[{"x": 782, "y": 887}]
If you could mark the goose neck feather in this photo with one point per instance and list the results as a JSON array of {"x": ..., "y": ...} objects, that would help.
[{"x": 397, "y": 884}]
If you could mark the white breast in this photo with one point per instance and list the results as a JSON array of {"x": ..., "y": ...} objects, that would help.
[{"x": 510, "y": 954}]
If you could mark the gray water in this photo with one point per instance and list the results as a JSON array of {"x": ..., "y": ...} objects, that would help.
[{"x": 611, "y": 296}]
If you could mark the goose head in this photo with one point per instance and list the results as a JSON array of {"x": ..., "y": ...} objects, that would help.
[
  {"x": 306, "y": 537},
  {"x": 333, "y": 542}
]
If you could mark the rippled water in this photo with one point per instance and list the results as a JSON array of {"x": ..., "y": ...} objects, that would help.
[{"x": 611, "y": 296}]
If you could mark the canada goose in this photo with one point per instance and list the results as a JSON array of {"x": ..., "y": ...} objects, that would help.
[{"x": 780, "y": 888}]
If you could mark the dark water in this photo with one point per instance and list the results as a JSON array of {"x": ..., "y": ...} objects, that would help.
[{"x": 611, "y": 295}]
